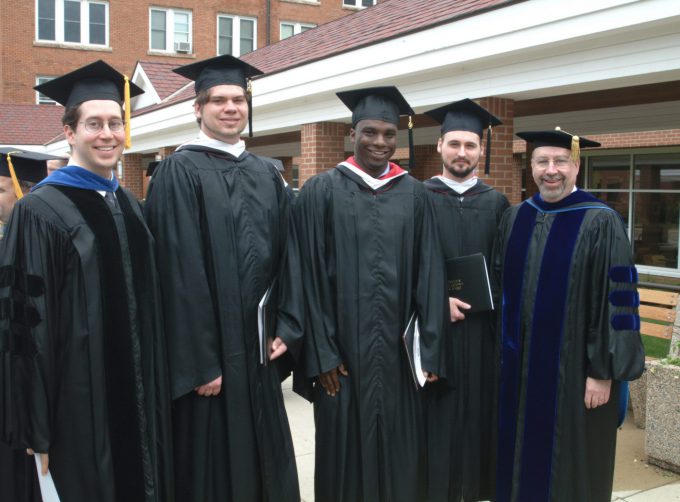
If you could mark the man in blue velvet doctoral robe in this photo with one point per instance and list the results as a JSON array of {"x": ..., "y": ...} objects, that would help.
[{"x": 569, "y": 333}]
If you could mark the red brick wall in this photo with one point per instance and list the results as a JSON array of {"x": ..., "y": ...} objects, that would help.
[
  {"x": 22, "y": 60},
  {"x": 133, "y": 174},
  {"x": 321, "y": 147},
  {"x": 503, "y": 173},
  {"x": 428, "y": 162}
]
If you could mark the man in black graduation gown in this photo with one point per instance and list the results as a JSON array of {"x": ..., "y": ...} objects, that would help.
[
  {"x": 19, "y": 171},
  {"x": 83, "y": 378},
  {"x": 371, "y": 258},
  {"x": 220, "y": 216},
  {"x": 461, "y": 410},
  {"x": 569, "y": 333}
]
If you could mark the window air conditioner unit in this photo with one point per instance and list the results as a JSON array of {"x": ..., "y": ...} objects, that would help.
[{"x": 183, "y": 47}]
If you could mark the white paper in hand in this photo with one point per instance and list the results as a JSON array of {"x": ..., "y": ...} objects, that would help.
[
  {"x": 416, "y": 356},
  {"x": 47, "y": 488}
]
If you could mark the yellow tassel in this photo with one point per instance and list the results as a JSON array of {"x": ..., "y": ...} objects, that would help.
[
  {"x": 128, "y": 137},
  {"x": 410, "y": 122},
  {"x": 249, "y": 88},
  {"x": 15, "y": 180},
  {"x": 575, "y": 149},
  {"x": 575, "y": 145}
]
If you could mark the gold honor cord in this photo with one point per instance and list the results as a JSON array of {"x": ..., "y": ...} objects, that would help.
[
  {"x": 128, "y": 137},
  {"x": 15, "y": 180}
]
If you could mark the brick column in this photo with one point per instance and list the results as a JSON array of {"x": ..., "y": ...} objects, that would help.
[
  {"x": 321, "y": 148},
  {"x": 133, "y": 174},
  {"x": 505, "y": 175},
  {"x": 428, "y": 162}
]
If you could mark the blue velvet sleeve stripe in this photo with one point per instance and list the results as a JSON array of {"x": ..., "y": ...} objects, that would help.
[
  {"x": 626, "y": 322},
  {"x": 623, "y": 273},
  {"x": 511, "y": 347},
  {"x": 624, "y": 298}
]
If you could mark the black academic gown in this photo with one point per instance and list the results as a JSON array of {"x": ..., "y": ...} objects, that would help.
[
  {"x": 461, "y": 409},
  {"x": 370, "y": 258},
  {"x": 569, "y": 311},
  {"x": 82, "y": 369},
  {"x": 18, "y": 478},
  {"x": 221, "y": 225}
]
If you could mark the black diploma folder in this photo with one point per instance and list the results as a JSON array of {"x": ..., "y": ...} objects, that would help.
[{"x": 468, "y": 280}]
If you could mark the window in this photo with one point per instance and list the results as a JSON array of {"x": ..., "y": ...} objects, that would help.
[
  {"x": 290, "y": 29},
  {"x": 40, "y": 98},
  {"x": 73, "y": 21},
  {"x": 644, "y": 187},
  {"x": 358, "y": 3},
  {"x": 170, "y": 30},
  {"x": 236, "y": 35}
]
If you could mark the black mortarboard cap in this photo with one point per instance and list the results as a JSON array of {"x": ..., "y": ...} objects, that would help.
[
  {"x": 559, "y": 138},
  {"x": 376, "y": 103},
  {"x": 466, "y": 115},
  {"x": 380, "y": 103},
  {"x": 27, "y": 166},
  {"x": 152, "y": 167},
  {"x": 222, "y": 70},
  {"x": 97, "y": 80}
]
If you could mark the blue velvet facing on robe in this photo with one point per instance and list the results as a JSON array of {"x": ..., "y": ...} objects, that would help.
[{"x": 535, "y": 459}]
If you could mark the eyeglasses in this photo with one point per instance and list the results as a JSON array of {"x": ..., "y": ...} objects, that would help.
[
  {"x": 558, "y": 162},
  {"x": 95, "y": 125}
]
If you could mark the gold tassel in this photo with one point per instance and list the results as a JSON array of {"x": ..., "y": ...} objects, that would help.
[
  {"x": 15, "y": 180},
  {"x": 249, "y": 99},
  {"x": 575, "y": 149},
  {"x": 575, "y": 145},
  {"x": 128, "y": 137}
]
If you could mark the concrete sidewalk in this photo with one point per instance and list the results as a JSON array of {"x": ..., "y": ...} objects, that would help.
[{"x": 634, "y": 479}]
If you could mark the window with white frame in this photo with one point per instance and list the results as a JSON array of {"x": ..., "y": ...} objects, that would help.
[
  {"x": 358, "y": 3},
  {"x": 288, "y": 29},
  {"x": 170, "y": 30},
  {"x": 236, "y": 35},
  {"x": 40, "y": 98},
  {"x": 83, "y": 22}
]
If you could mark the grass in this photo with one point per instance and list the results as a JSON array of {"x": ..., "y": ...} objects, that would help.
[{"x": 656, "y": 347}]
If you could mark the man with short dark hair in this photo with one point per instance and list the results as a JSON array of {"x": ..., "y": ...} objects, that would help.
[
  {"x": 461, "y": 410},
  {"x": 569, "y": 332},
  {"x": 220, "y": 216},
  {"x": 371, "y": 258},
  {"x": 83, "y": 364}
]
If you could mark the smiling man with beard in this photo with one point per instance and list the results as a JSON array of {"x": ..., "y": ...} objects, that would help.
[
  {"x": 569, "y": 332},
  {"x": 370, "y": 254},
  {"x": 461, "y": 409}
]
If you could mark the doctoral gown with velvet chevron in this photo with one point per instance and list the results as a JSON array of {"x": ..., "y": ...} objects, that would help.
[
  {"x": 370, "y": 258},
  {"x": 569, "y": 312},
  {"x": 82, "y": 359},
  {"x": 462, "y": 409},
  {"x": 221, "y": 227}
]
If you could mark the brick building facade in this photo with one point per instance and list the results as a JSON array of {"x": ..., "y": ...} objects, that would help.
[{"x": 35, "y": 34}]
